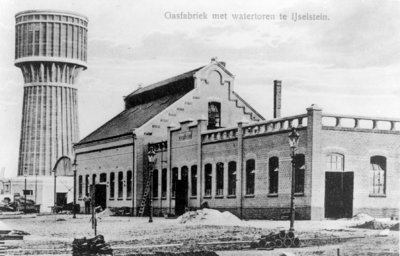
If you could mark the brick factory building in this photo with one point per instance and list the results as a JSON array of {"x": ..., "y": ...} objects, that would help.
[{"x": 211, "y": 146}]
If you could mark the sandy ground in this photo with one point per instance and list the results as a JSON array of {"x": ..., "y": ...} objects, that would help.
[{"x": 319, "y": 237}]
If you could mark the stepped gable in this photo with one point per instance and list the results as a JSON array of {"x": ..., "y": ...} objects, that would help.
[{"x": 144, "y": 104}]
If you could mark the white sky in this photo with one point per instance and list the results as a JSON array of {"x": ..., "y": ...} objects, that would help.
[{"x": 348, "y": 64}]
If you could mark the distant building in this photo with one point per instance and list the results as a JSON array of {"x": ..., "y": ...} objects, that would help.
[
  {"x": 211, "y": 146},
  {"x": 50, "y": 50}
]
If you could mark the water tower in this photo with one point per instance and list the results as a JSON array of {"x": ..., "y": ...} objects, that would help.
[{"x": 50, "y": 50}]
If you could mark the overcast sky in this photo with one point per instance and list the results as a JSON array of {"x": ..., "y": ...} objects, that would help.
[{"x": 348, "y": 64}]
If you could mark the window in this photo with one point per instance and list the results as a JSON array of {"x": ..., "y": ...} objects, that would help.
[
  {"x": 299, "y": 173},
  {"x": 164, "y": 183},
  {"x": 94, "y": 179},
  {"x": 194, "y": 180},
  {"x": 334, "y": 162},
  {"x": 214, "y": 115},
  {"x": 273, "y": 174},
  {"x": 232, "y": 178},
  {"x": 220, "y": 179},
  {"x": 112, "y": 184},
  {"x": 103, "y": 177},
  {"x": 80, "y": 186},
  {"x": 378, "y": 174},
  {"x": 120, "y": 185},
  {"x": 129, "y": 185},
  {"x": 174, "y": 179},
  {"x": 208, "y": 179},
  {"x": 250, "y": 176},
  {"x": 87, "y": 183},
  {"x": 155, "y": 183},
  {"x": 28, "y": 192}
]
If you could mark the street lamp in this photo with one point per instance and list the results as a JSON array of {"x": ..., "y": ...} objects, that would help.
[
  {"x": 74, "y": 165},
  {"x": 25, "y": 175},
  {"x": 293, "y": 142},
  {"x": 151, "y": 155}
]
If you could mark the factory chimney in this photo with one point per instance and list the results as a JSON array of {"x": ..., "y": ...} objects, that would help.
[{"x": 277, "y": 98}]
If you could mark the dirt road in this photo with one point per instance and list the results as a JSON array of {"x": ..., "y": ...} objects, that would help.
[{"x": 319, "y": 237}]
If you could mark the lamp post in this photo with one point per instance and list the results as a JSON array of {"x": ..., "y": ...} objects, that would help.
[
  {"x": 25, "y": 175},
  {"x": 74, "y": 165},
  {"x": 293, "y": 142},
  {"x": 151, "y": 154}
]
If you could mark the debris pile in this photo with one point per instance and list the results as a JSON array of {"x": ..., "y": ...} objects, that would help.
[
  {"x": 209, "y": 217},
  {"x": 95, "y": 245},
  {"x": 377, "y": 225},
  {"x": 362, "y": 217},
  {"x": 279, "y": 240}
]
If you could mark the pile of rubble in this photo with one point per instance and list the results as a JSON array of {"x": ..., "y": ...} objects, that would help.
[
  {"x": 209, "y": 217},
  {"x": 95, "y": 245},
  {"x": 279, "y": 240},
  {"x": 377, "y": 225}
]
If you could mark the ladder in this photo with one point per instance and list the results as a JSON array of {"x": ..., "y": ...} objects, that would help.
[{"x": 145, "y": 196}]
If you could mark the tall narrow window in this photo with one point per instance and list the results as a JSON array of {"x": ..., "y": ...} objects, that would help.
[
  {"x": 214, "y": 115},
  {"x": 174, "y": 179},
  {"x": 87, "y": 183},
  {"x": 112, "y": 185},
  {"x": 273, "y": 174},
  {"x": 80, "y": 186},
  {"x": 94, "y": 179},
  {"x": 164, "y": 183},
  {"x": 378, "y": 174},
  {"x": 120, "y": 185},
  {"x": 208, "y": 179},
  {"x": 194, "y": 180},
  {"x": 129, "y": 184},
  {"x": 334, "y": 162},
  {"x": 220, "y": 179},
  {"x": 232, "y": 178},
  {"x": 250, "y": 176},
  {"x": 155, "y": 183},
  {"x": 299, "y": 173}
]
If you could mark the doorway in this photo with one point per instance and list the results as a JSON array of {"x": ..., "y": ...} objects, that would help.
[
  {"x": 339, "y": 194},
  {"x": 61, "y": 199},
  {"x": 101, "y": 195},
  {"x": 182, "y": 188}
]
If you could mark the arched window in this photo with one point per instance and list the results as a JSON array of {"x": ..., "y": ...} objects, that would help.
[
  {"x": 87, "y": 183},
  {"x": 334, "y": 162},
  {"x": 194, "y": 179},
  {"x": 164, "y": 183},
  {"x": 129, "y": 184},
  {"x": 214, "y": 115},
  {"x": 273, "y": 173},
  {"x": 80, "y": 186},
  {"x": 378, "y": 174},
  {"x": 155, "y": 183},
  {"x": 208, "y": 179},
  {"x": 120, "y": 185},
  {"x": 220, "y": 179},
  {"x": 174, "y": 179},
  {"x": 112, "y": 185},
  {"x": 299, "y": 173},
  {"x": 103, "y": 177},
  {"x": 250, "y": 176},
  {"x": 232, "y": 178}
]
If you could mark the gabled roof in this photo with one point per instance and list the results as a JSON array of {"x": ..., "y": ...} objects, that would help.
[
  {"x": 144, "y": 104},
  {"x": 131, "y": 118}
]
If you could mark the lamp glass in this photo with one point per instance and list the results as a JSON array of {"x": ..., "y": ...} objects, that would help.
[
  {"x": 294, "y": 139},
  {"x": 25, "y": 172},
  {"x": 151, "y": 154}
]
